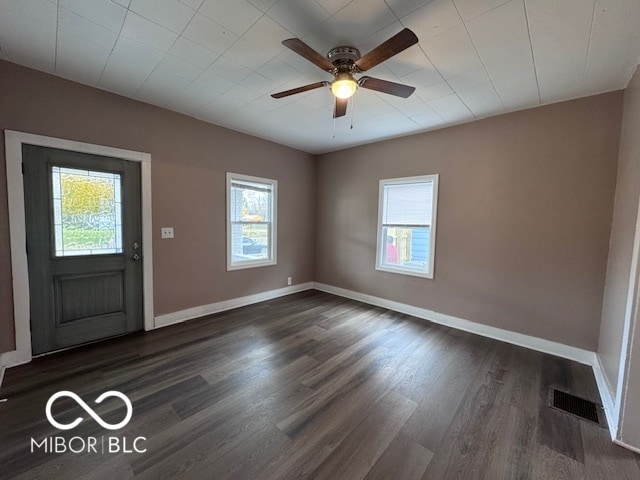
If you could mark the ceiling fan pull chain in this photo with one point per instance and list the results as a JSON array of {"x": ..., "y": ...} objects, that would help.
[
  {"x": 334, "y": 128},
  {"x": 353, "y": 101}
]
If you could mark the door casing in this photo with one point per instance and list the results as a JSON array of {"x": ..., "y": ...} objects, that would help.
[{"x": 17, "y": 231}]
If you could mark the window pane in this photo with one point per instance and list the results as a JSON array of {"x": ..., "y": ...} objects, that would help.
[
  {"x": 87, "y": 212},
  {"x": 408, "y": 248},
  {"x": 250, "y": 204},
  {"x": 251, "y": 221},
  {"x": 408, "y": 203},
  {"x": 251, "y": 242},
  {"x": 406, "y": 227}
]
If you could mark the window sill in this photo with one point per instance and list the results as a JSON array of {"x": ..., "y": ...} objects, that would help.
[
  {"x": 249, "y": 264},
  {"x": 404, "y": 271}
]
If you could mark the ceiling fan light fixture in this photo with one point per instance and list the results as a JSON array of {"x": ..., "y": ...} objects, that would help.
[{"x": 344, "y": 87}]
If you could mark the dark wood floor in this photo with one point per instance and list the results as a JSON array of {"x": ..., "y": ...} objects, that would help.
[{"x": 310, "y": 386}]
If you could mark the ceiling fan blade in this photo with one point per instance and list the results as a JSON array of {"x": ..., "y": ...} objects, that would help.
[
  {"x": 388, "y": 49},
  {"x": 384, "y": 86},
  {"x": 309, "y": 53},
  {"x": 305, "y": 88},
  {"x": 340, "y": 108}
]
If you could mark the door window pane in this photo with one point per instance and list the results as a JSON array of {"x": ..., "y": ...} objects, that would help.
[{"x": 87, "y": 212}]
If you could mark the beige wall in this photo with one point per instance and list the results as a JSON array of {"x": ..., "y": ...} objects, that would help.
[
  {"x": 189, "y": 161},
  {"x": 524, "y": 217},
  {"x": 619, "y": 270}
]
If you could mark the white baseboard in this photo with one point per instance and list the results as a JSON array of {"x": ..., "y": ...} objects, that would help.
[
  {"x": 608, "y": 400},
  {"x": 14, "y": 358},
  {"x": 534, "y": 343},
  {"x": 626, "y": 445},
  {"x": 203, "y": 310}
]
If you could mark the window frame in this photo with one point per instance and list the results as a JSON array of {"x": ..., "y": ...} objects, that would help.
[
  {"x": 272, "y": 251},
  {"x": 380, "y": 244}
]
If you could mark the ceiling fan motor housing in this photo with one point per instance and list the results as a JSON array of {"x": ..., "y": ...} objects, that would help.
[{"x": 344, "y": 58}]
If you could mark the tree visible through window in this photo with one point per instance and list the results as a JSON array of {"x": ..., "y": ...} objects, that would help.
[
  {"x": 406, "y": 226},
  {"x": 251, "y": 216},
  {"x": 87, "y": 213}
]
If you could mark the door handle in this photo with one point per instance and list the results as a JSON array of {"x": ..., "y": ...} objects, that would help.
[{"x": 135, "y": 246}]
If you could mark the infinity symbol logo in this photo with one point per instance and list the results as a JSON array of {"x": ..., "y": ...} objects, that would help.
[{"x": 89, "y": 410}]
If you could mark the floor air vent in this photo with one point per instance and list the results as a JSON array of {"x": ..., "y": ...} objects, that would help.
[{"x": 577, "y": 406}]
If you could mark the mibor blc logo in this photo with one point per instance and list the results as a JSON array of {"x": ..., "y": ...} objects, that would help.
[
  {"x": 102, "y": 444},
  {"x": 89, "y": 410}
]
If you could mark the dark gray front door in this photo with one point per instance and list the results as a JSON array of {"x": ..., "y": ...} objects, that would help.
[{"x": 84, "y": 240}]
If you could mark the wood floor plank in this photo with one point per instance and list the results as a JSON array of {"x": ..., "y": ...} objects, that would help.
[
  {"x": 604, "y": 459},
  {"x": 343, "y": 385},
  {"x": 223, "y": 369},
  {"x": 222, "y": 425},
  {"x": 328, "y": 370},
  {"x": 441, "y": 350},
  {"x": 404, "y": 458},
  {"x": 316, "y": 440},
  {"x": 238, "y": 381},
  {"x": 353, "y": 329},
  {"x": 467, "y": 444},
  {"x": 550, "y": 464},
  {"x": 443, "y": 390},
  {"x": 509, "y": 455},
  {"x": 359, "y": 451},
  {"x": 310, "y": 386},
  {"x": 245, "y": 460}
]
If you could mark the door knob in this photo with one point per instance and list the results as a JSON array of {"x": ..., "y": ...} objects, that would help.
[{"x": 135, "y": 257}]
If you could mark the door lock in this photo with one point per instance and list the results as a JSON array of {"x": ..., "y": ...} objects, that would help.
[{"x": 135, "y": 257}]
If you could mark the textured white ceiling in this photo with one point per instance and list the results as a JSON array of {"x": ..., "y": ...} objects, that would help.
[{"x": 219, "y": 60}]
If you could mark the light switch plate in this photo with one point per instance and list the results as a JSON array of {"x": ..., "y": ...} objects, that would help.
[{"x": 167, "y": 232}]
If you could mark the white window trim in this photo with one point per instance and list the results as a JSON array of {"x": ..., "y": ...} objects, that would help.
[
  {"x": 380, "y": 245},
  {"x": 272, "y": 260}
]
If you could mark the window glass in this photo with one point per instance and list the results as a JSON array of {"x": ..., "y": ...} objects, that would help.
[
  {"x": 251, "y": 221},
  {"x": 406, "y": 227},
  {"x": 87, "y": 212}
]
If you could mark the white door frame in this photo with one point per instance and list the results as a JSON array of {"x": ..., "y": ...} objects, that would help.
[{"x": 18, "y": 238}]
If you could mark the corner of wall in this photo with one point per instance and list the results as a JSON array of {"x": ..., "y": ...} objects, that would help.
[
  {"x": 620, "y": 289},
  {"x": 316, "y": 172},
  {"x": 607, "y": 396}
]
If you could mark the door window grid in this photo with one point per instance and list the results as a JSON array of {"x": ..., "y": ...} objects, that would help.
[{"x": 87, "y": 212}]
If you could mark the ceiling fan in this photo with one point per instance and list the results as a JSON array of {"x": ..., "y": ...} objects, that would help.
[{"x": 344, "y": 62}]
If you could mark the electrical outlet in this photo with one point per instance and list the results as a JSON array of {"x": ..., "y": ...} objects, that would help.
[
  {"x": 167, "y": 232},
  {"x": 288, "y": 280}
]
